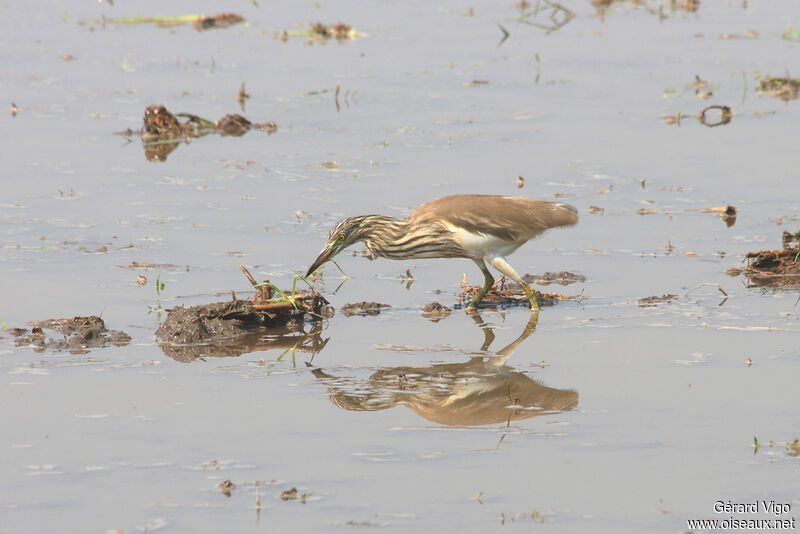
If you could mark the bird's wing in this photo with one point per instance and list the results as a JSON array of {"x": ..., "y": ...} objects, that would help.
[{"x": 508, "y": 218}]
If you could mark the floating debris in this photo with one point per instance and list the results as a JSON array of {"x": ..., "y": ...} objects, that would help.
[
  {"x": 78, "y": 335},
  {"x": 775, "y": 267},
  {"x": 750, "y": 34},
  {"x": 725, "y": 116},
  {"x": 509, "y": 295},
  {"x": 726, "y": 213},
  {"x": 782, "y": 88},
  {"x": 662, "y": 9},
  {"x": 705, "y": 118},
  {"x": 294, "y": 495},
  {"x": 558, "y": 16},
  {"x": 321, "y": 32},
  {"x": 241, "y": 97}
]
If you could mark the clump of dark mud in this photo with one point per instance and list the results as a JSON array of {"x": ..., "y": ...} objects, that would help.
[
  {"x": 775, "y": 267},
  {"x": 79, "y": 335},
  {"x": 239, "y": 326},
  {"x": 363, "y": 308},
  {"x": 163, "y": 131},
  {"x": 649, "y": 302},
  {"x": 435, "y": 311}
]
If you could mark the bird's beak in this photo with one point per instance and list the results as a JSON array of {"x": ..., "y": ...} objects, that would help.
[{"x": 324, "y": 256}]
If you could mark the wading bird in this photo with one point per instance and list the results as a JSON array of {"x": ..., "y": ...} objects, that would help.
[{"x": 483, "y": 228}]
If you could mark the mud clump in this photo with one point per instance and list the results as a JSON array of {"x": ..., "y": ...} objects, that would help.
[
  {"x": 206, "y": 322},
  {"x": 240, "y": 326},
  {"x": 363, "y": 308},
  {"x": 435, "y": 311},
  {"x": 775, "y": 267},
  {"x": 201, "y": 324},
  {"x": 79, "y": 335}
]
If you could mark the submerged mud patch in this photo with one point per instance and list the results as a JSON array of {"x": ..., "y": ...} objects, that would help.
[
  {"x": 363, "y": 308},
  {"x": 80, "y": 335},
  {"x": 563, "y": 278},
  {"x": 648, "y": 302}
]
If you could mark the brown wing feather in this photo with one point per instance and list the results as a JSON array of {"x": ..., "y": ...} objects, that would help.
[{"x": 510, "y": 218}]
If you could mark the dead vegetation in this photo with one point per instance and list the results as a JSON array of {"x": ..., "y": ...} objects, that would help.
[
  {"x": 319, "y": 32},
  {"x": 711, "y": 116},
  {"x": 511, "y": 294},
  {"x": 775, "y": 268},
  {"x": 198, "y": 22},
  {"x": 656, "y": 7}
]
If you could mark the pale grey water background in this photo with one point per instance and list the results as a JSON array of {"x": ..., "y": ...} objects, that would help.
[{"x": 126, "y": 438}]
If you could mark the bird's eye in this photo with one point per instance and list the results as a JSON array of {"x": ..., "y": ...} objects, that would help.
[{"x": 340, "y": 238}]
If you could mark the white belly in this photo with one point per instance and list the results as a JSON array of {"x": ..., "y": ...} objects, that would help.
[{"x": 483, "y": 245}]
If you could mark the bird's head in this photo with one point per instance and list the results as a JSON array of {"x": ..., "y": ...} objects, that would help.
[{"x": 342, "y": 235}]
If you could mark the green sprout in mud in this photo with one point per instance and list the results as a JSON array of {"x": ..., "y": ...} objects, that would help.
[{"x": 159, "y": 285}]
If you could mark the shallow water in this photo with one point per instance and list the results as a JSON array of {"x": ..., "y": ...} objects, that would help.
[{"x": 623, "y": 418}]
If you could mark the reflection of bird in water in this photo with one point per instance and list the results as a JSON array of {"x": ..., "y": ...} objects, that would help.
[
  {"x": 481, "y": 391},
  {"x": 483, "y": 228}
]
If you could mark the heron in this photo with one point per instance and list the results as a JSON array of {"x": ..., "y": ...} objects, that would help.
[{"x": 483, "y": 228}]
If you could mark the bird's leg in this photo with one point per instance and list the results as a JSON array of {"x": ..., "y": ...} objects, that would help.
[
  {"x": 500, "y": 263},
  {"x": 487, "y": 285}
]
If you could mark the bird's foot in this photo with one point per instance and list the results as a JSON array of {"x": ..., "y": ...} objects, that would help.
[{"x": 531, "y": 294}]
